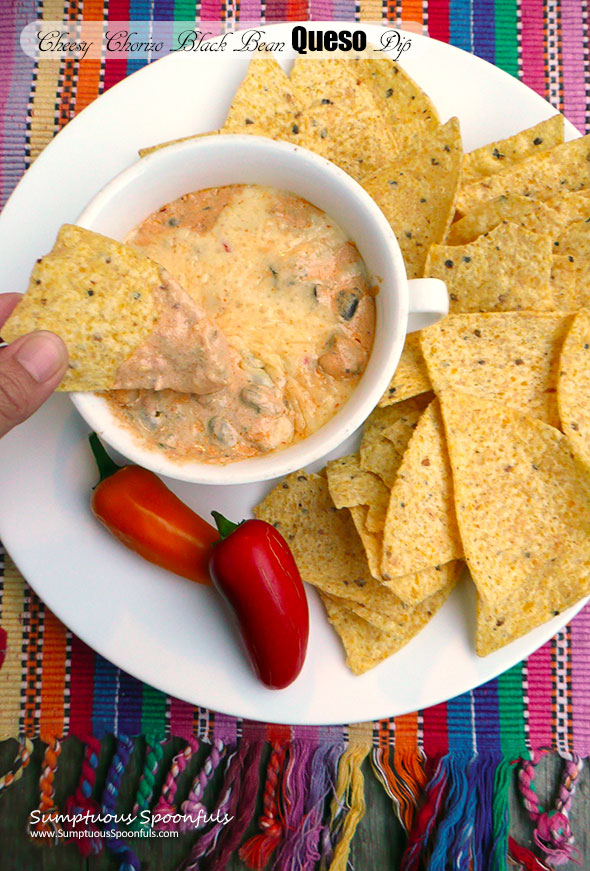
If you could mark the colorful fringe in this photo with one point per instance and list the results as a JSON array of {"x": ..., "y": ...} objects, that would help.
[{"x": 313, "y": 800}]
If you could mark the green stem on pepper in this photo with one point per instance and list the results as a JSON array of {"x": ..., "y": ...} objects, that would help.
[
  {"x": 106, "y": 466},
  {"x": 224, "y": 526}
]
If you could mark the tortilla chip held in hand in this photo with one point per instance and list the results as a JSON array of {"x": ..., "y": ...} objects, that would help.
[{"x": 125, "y": 321}]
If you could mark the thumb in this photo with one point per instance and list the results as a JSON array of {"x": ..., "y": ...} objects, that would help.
[{"x": 30, "y": 370}]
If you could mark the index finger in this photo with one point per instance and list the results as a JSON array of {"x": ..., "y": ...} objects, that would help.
[{"x": 8, "y": 302}]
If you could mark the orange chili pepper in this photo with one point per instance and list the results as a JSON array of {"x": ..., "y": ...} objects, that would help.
[{"x": 139, "y": 510}]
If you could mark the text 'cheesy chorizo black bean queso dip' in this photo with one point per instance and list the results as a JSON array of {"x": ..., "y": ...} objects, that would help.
[{"x": 289, "y": 293}]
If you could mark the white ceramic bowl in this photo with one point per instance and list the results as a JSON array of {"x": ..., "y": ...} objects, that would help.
[{"x": 213, "y": 161}]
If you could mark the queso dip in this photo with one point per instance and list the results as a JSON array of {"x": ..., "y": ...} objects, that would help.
[{"x": 291, "y": 298}]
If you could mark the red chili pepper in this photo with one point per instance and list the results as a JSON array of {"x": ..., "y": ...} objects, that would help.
[
  {"x": 138, "y": 508},
  {"x": 254, "y": 570}
]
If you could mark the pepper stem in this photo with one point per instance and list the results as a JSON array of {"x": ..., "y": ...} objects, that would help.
[
  {"x": 106, "y": 466},
  {"x": 224, "y": 526}
]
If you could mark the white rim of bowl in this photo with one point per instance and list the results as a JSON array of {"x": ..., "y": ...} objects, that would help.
[{"x": 94, "y": 408}]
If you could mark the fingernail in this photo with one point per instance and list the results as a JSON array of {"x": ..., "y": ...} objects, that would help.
[{"x": 42, "y": 355}]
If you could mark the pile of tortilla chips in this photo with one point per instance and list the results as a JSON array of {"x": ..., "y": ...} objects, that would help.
[{"x": 479, "y": 451}]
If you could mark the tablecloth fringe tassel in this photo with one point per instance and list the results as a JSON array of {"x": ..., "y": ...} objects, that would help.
[
  {"x": 122, "y": 852},
  {"x": 81, "y": 802},
  {"x": 348, "y": 805},
  {"x": 313, "y": 800},
  {"x": 21, "y": 760},
  {"x": 154, "y": 752},
  {"x": 299, "y": 780},
  {"x": 193, "y": 808},
  {"x": 552, "y": 835},
  {"x": 403, "y": 778},
  {"x": 258, "y": 850},
  {"x": 165, "y": 808},
  {"x": 462, "y": 819},
  {"x": 48, "y": 811}
]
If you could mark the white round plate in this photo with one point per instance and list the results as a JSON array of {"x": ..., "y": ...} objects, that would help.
[{"x": 162, "y": 629}]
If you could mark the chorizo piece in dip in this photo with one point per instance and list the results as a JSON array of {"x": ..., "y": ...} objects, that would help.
[{"x": 291, "y": 297}]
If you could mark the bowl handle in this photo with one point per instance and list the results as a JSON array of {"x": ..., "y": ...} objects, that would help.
[{"x": 429, "y": 302}]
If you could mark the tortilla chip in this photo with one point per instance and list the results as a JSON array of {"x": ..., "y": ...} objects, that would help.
[
  {"x": 563, "y": 168},
  {"x": 416, "y": 192},
  {"x": 492, "y": 158},
  {"x": 340, "y": 119},
  {"x": 510, "y": 357},
  {"x": 410, "y": 410},
  {"x": 573, "y": 386},
  {"x": 349, "y": 485},
  {"x": 419, "y": 587},
  {"x": 544, "y": 595},
  {"x": 105, "y": 300},
  {"x": 386, "y": 434},
  {"x": 411, "y": 376},
  {"x": 571, "y": 206},
  {"x": 370, "y": 522},
  {"x": 547, "y": 217},
  {"x": 366, "y": 645},
  {"x": 574, "y": 239},
  {"x": 385, "y": 457},
  {"x": 412, "y": 589},
  {"x": 522, "y": 499},
  {"x": 266, "y": 103},
  {"x": 533, "y": 215},
  {"x": 372, "y": 540},
  {"x": 323, "y": 540},
  {"x": 421, "y": 529},
  {"x": 509, "y": 269},
  {"x": 378, "y": 454},
  {"x": 570, "y": 282},
  {"x": 375, "y": 521},
  {"x": 390, "y": 624},
  {"x": 409, "y": 112}
]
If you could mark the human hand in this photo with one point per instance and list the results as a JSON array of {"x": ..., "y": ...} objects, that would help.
[{"x": 30, "y": 369}]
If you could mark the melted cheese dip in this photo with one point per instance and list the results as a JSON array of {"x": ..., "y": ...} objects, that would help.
[{"x": 290, "y": 294}]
